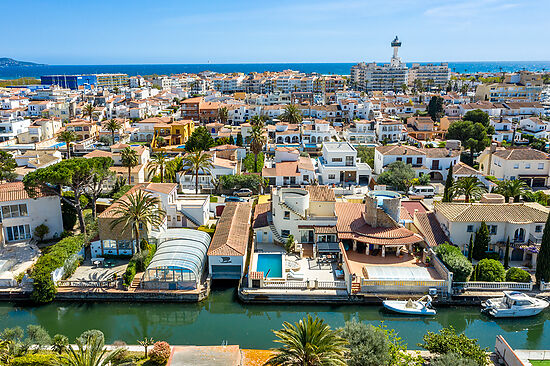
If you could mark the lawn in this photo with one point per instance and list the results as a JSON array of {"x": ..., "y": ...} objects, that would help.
[{"x": 540, "y": 362}]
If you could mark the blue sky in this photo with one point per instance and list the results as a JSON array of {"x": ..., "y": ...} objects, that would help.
[{"x": 145, "y": 31}]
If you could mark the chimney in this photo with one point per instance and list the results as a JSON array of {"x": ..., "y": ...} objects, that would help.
[{"x": 370, "y": 214}]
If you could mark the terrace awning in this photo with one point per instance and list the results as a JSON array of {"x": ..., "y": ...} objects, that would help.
[{"x": 328, "y": 248}]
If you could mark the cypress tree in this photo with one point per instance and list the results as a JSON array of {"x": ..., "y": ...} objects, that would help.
[
  {"x": 239, "y": 140},
  {"x": 447, "y": 193},
  {"x": 231, "y": 140},
  {"x": 481, "y": 242},
  {"x": 471, "y": 247},
  {"x": 507, "y": 254},
  {"x": 543, "y": 259}
]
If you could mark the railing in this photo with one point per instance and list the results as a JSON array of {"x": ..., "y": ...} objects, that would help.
[
  {"x": 533, "y": 239},
  {"x": 494, "y": 286},
  {"x": 368, "y": 285},
  {"x": 96, "y": 284},
  {"x": 285, "y": 284},
  {"x": 331, "y": 285},
  {"x": 544, "y": 286}
]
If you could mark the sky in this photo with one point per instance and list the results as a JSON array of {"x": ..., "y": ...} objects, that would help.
[{"x": 250, "y": 31}]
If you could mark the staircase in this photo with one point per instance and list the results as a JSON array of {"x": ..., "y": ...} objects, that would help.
[
  {"x": 285, "y": 206},
  {"x": 135, "y": 282},
  {"x": 276, "y": 235},
  {"x": 355, "y": 287}
]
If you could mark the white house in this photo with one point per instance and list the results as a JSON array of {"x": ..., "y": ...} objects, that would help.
[
  {"x": 11, "y": 127},
  {"x": 391, "y": 131},
  {"x": 21, "y": 214},
  {"x": 339, "y": 165},
  {"x": 535, "y": 127},
  {"x": 288, "y": 168},
  {"x": 363, "y": 133}
]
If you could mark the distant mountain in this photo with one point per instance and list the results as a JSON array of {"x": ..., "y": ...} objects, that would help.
[{"x": 10, "y": 62}]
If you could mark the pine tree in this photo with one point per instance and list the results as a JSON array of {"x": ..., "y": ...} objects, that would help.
[
  {"x": 481, "y": 242},
  {"x": 471, "y": 247},
  {"x": 543, "y": 259},
  {"x": 507, "y": 254},
  {"x": 448, "y": 192}
]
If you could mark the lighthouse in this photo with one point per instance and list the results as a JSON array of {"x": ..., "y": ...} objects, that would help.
[{"x": 396, "y": 43}]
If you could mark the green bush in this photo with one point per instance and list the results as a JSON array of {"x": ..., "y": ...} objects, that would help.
[
  {"x": 130, "y": 273},
  {"x": 490, "y": 270},
  {"x": 138, "y": 263},
  {"x": 206, "y": 229},
  {"x": 515, "y": 274},
  {"x": 455, "y": 262},
  {"x": 36, "y": 359},
  {"x": 160, "y": 353},
  {"x": 447, "y": 341},
  {"x": 452, "y": 359},
  {"x": 492, "y": 255},
  {"x": 43, "y": 287}
]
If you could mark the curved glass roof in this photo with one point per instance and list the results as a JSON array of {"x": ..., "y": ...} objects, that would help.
[{"x": 183, "y": 249}]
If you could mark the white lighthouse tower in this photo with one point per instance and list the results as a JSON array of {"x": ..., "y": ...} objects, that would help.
[{"x": 395, "y": 60}]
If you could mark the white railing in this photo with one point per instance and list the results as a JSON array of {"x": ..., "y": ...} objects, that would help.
[
  {"x": 368, "y": 285},
  {"x": 494, "y": 286},
  {"x": 285, "y": 284},
  {"x": 331, "y": 285},
  {"x": 97, "y": 284},
  {"x": 544, "y": 286}
]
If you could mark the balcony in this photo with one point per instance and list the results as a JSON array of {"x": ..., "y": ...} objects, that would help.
[{"x": 535, "y": 239}]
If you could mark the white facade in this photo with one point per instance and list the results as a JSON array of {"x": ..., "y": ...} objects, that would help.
[{"x": 339, "y": 165}]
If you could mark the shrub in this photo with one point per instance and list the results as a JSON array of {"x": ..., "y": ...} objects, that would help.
[
  {"x": 490, "y": 270},
  {"x": 71, "y": 265},
  {"x": 41, "y": 231},
  {"x": 36, "y": 359},
  {"x": 160, "y": 353},
  {"x": 452, "y": 359},
  {"x": 59, "y": 343},
  {"x": 455, "y": 261},
  {"x": 447, "y": 341},
  {"x": 138, "y": 263},
  {"x": 130, "y": 273},
  {"x": 515, "y": 274},
  {"x": 492, "y": 255},
  {"x": 368, "y": 345},
  {"x": 206, "y": 229},
  {"x": 43, "y": 287}
]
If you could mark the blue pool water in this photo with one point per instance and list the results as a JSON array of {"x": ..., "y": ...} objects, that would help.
[
  {"x": 181, "y": 147},
  {"x": 382, "y": 195},
  {"x": 58, "y": 145},
  {"x": 272, "y": 263},
  {"x": 311, "y": 146}
]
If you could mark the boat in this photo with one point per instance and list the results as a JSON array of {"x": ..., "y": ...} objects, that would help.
[
  {"x": 513, "y": 304},
  {"x": 422, "y": 306}
]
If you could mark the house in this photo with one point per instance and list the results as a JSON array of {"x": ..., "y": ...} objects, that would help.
[
  {"x": 504, "y": 130},
  {"x": 423, "y": 128},
  {"x": 288, "y": 168},
  {"x": 363, "y": 132},
  {"x": 173, "y": 133},
  {"x": 10, "y": 128},
  {"x": 432, "y": 161},
  {"x": 339, "y": 165},
  {"x": 83, "y": 129},
  {"x": 35, "y": 159},
  {"x": 231, "y": 152},
  {"x": 208, "y": 179},
  {"x": 535, "y": 127},
  {"x": 390, "y": 131},
  {"x": 287, "y": 133},
  {"x": 228, "y": 249},
  {"x": 40, "y": 130},
  {"x": 316, "y": 132},
  {"x": 21, "y": 214},
  {"x": 525, "y": 163},
  {"x": 521, "y": 223}
]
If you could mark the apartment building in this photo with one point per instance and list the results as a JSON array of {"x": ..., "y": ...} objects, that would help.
[
  {"x": 524, "y": 86},
  {"x": 431, "y": 75}
]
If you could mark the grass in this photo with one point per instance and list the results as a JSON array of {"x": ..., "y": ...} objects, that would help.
[{"x": 540, "y": 362}]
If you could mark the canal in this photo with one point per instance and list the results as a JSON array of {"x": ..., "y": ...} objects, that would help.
[{"x": 222, "y": 319}]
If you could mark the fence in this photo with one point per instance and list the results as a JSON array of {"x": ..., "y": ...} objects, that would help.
[
  {"x": 544, "y": 286},
  {"x": 403, "y": 286},
  {"x": 494, "y": 286},
  {"x": 96, "y": 284},
  {"x": 331, "y": 285},
  {"x": 282, "y": 284}
]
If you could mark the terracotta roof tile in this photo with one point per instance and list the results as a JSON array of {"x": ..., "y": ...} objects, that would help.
[
  {"x": 16, "y": 191},
  {"x": 232, "y": 230},
  {"x": 525, "y": 212},
  {"x": 428, "y": 225},
  {"x": 321, "y": 193}
]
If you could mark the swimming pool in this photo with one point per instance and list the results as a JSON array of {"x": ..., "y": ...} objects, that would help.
[
  {"x": 58, "y": 145},
  {"x": 382, "y": 195},
  {"x": 272, "y": 263},
  {"x": 180, "y": 147}
]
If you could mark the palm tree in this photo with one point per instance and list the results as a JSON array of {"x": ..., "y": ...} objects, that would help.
[
  {"x": 88, "y": 110},
  {"x": 309, "y": 342},
  {"x": 291, "y": 114},
  {"x": 257, "y": 142},
  {"x": 67, "y": 137},
  {"x": 196, "y": 161},
  {"x": 137, "y": 210},
  {"x": 172, "y": 167},
  {"x": 129, "y": 159},
  {"x": 223, "y": 114},
  {"x": 91, "y": 352},
  {"x": 470, "y": 187},
  {"x": 158, "y": 161},
  {"x": 113, "y": 126},
  {"x": 512, "y": 188}
]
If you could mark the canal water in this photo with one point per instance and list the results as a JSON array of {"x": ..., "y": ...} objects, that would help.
[{"x": 221, "y": 318}]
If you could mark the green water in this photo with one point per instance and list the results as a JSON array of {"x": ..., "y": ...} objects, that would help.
[{"x": 221, "y": 318}]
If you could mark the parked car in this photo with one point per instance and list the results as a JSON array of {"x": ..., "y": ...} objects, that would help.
[
  {"x": 234, "y": 199},
  {"x": 426, "y": 191},
  {"x": 243, "y": 192}
]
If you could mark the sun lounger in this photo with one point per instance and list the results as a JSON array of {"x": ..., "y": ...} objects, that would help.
[{"x": 295, "y": 276}]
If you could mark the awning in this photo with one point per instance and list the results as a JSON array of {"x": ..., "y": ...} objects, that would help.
[{"x": 328, "y": 248}]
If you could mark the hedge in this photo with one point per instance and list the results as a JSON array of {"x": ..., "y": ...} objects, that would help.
[
  {"x": 515, "y": 274},
  {"x": 138, "y": 263},
  {"x": 455, "y": 262},
  {"x": 36, "y": 359},
  {"x": 43, "y": 287},
  {"x": 490, "y": 270}
]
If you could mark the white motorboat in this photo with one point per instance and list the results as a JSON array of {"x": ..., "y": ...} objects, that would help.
[
  {"x": 513, "y": 304},
  {"x": 422, "y": 306}
]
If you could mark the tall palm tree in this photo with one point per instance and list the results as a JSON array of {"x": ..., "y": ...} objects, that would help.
[
  {"x": 291, "y": 114},
  {"x": 197, "y": 161},
  {"x": 135, "y": 211},
  {"x": 309, "y": 342},
  {"x": 88, "y": 110},
  {"x": 257, "y": 142},
  {"x": 67, "y": 137},
  {"x": 158, "y": 161},
  {"x": 512, "y": 188},
  {"x": 172, "y": 167},
  {"x": 223, "y": 114},
  {"x": 91, "y": 352},
  {"x": 113, "y": 126},
  {"x": 129, "y": 159},
  {"x": 470, "y": 187}
]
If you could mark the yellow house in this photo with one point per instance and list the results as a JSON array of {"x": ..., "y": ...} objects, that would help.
[{"x": 174, "y": 134}]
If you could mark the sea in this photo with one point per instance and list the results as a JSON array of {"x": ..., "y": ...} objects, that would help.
[{"x": 321, "y": 68}]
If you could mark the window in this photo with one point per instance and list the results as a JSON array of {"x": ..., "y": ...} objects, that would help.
[
  {"x": 14, "y": 211},
  {"x": 541, "y": 165},
  {"x": 19, "y": 232},
  {"x": 399, "y": 158},
  {"x": 124, "y": 244},
  {"x": 419, "y": 161},
  {"x": 516, "y": 166},
  {"x": 538, "y": 228},
  {"x": 285, "y": 233},
  {"x": 349, "y": 160},
  {"x": 331, "y": 176},
  {"x": 470, "y": 229},
  {"x": 287, "y": 215},
  {"x": 527, "y": 166},
  {"x": 336, "y": 160},
  {"x": 493, "y": 229},
  {"x": 109, "y": 244}
]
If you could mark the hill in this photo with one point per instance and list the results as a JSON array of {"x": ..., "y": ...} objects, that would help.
[{"x": 10, "y": 62}]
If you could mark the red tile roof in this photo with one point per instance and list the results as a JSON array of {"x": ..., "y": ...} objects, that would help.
[
  {"x": 232, "y": 230},
  {"x": 16, "y": 191}
]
